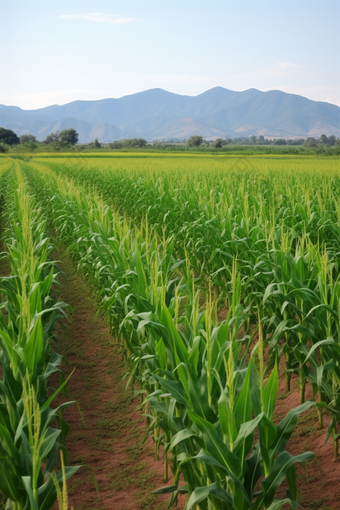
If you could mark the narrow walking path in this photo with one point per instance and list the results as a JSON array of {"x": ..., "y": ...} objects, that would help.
[{"x": 111, "y": 441}]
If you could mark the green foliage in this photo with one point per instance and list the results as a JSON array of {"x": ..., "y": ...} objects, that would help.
[
  {"x": 69, "y": 136},
  {"x": 166, "y": 243},
  {"x": 256, "y": 252},
  {"x": 27, "y": 138},
  {"x": 310, "y": 142},
  {"x": 195, "y": 141},
  {"x": 286, "y": 244},
  {"x": 52, "y": 138},
  {"x": 129, "y": 143},
  {"x": 30, "y": 146},
  {"x": 65, "y": 138},
  {"x": 220, "y": 142},
  {"x": 7, "y": 136},
  {"x": 31, "y": 431}
]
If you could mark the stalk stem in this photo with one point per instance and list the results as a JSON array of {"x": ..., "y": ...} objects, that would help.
[
  {"x": 156, "y": 435},
  {"x": 166, "y": 466},
  {"x": 335, "y": 444},
  {"x": 302, "y": 386},
  {"x": 320, "y": 416},
  {"x": 288, "y": 374}
]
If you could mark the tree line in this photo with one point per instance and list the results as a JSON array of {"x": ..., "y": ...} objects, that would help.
[
  {"x": 59, "y": 139},
  {"x": 331, "y": 141},
  {"x": 62, "y": 139},
  {"x": 68, "y": 138}
]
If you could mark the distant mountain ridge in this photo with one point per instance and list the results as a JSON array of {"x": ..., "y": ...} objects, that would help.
[{"x": 156, "y": 114}]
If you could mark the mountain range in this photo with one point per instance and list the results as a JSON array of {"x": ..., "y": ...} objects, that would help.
[{"x": 158, "y": 114}]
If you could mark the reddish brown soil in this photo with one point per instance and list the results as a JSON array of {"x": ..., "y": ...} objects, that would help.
[{"x": 111, "y": 440}]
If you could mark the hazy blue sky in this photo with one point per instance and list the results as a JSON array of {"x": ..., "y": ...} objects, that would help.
[{"x": 56, "y": 51}]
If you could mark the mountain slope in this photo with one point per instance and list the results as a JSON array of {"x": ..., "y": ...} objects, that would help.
[{"x": 157, "y": 113}]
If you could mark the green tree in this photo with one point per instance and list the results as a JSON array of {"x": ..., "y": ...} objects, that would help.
[
  {"x": 296, "y": 141},
  {"x": 324, "y": 140},
  {"x": 30, "y": 146},
  {"x": 220, "y": 142},
  {"x": 195, "y": 141},
  {"x": 310, "y": 142},
  {"x": 116, "y": 145},
  {"x": 8, "y": 136},
  {"x": 134, "y": 142},
  {"x": 331, "y": 140},
  {"x": 96, "y": 144},
  {"x": 129, "y": 142},
  {"x": 69, "y": 136},
  {"x": 27, "y": 138},
  {"x": 52, "y": 138}
]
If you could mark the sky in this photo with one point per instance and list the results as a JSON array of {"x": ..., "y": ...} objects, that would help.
[{"x": 56, "y": 51}]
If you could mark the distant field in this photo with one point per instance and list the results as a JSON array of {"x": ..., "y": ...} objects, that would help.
[
  {"x": 168, "y": 149},
  {"x": 219, "y": 277}
]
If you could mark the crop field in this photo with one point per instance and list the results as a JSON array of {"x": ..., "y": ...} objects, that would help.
[{"x": 211, "y": 305}]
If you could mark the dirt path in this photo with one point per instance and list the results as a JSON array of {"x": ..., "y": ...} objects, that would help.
[{"x": 111, "y": 442}]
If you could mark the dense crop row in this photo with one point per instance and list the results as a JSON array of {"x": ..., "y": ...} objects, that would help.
[
  {"x": 166, "y": 246},
  {"x": 204, "y": 403},
  {"x": 282, "y": 228},
  {"x": 31, "y": 430}
]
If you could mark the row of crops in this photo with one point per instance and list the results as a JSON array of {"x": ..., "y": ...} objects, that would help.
[
  {"x": 32, "y": 429},
  {"x": 211, "y": 280}
]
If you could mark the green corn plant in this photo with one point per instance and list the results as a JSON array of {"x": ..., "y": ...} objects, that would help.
[
  {"x": 221, "y": 474},
  {"x": 30, "y": 431},
  {"x": 182, "y": 359},
  {"x": 62, "y": 496}
]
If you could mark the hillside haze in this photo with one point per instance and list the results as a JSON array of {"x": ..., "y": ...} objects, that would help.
[{"x": 157, "y": 114}]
